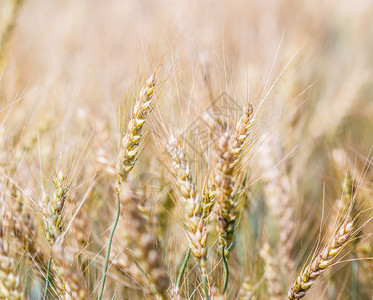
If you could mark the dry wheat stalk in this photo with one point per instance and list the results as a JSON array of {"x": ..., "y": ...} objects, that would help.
[
  {"x": 71, "y": 283},
  {"x": 271, "y": 270},
  {"x": 322, "y": 262},
  {"x": 9, "y": 280},
  {"x": 193, "y": 217},
  {"x": 132, "y": 138},
  {"x": 142, "y": 242}
]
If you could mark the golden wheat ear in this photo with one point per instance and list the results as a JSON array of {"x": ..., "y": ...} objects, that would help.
[
  {"x": 131, "y": 145},
  {"x": 54, "y": 208},
  {"x": 225, "y": 202},
  {"x": 131, "y": 140},
  {"x": 190, "y": 202},
  {"x": 322, "y": 262}
]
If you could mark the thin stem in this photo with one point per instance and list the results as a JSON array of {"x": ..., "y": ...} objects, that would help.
[
  {"x": 354, "y": 280},
  {"x": 226, "y": 269},
  {"x": 47, "y": 278},
  {"x": 182, "y": 270},
  {"x": 109, "y": 247},
  {"x": 204, "y": 277}
]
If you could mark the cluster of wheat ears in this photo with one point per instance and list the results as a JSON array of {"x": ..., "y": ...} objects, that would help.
[{"x": 221, "y": 206}]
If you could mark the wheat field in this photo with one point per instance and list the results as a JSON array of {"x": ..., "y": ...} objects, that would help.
[{"x": 186, "y": 149}]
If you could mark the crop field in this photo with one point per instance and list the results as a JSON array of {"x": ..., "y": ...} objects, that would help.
[{"x": 186, "y": 149}]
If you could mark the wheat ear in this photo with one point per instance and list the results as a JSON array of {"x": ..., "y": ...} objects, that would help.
[
  {"x": 132, "y": 138},
  {"x": 193, "y": 216},
  {"x": 241, "y": 133},
  {"x": 277, "y": 190},
  {"x": 128, "y": 153},
  {"x": 53, "y": 216},
  {"x": 72, "y": 286},
  {"x": 9, "y": 280},
  {"x": 54, "y": 208},
  {"x": 237, "y": 145},
  {"x": 271, "y": 270},
  {"x": 322, "y": 262},
  {"x": 143, "y": 243},
  {"x": 194, "y": 222},
  {"x": 226, "y": 204},
  {"x": 229, "y": 149},
  {"x": 19, "y": 224}
]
